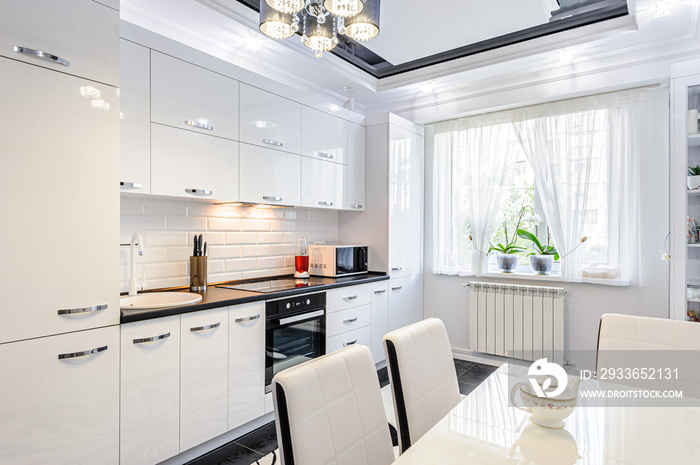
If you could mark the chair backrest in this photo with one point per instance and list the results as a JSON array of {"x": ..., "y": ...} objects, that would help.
[
  {"x": 329, "y": 411},
  {"x": 422, "y": 376}
]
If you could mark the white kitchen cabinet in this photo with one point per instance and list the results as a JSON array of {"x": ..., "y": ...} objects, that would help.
[
  {"x": 150, "y": 391},
  {"x": 405, "y": 301},
  {"x": 204, "y": 342},
  {"x": 78, "y": 37},
  {"x": 269, "y": 176},
  {"x": 348, "y": 297},
  {"x": 347, "y": 320},
  {"x": 246, "y": 395},
  {"x": 189, "y": 97},
  {"x": 60, "y": 399},
  {"x": 380, "y": 318},
  {"x": 359, "y": 336},
  {"x": 356, "y": 167},
  {"x": 269, "y": 120},
  {"x": 323, "y": 184},
  {"x": 191, "y": 165},
  {"x": 135, "y": 111},
  {"x": 323, "y": 136},
  {"x": 61, "y": 205},
  {"x": 348, "y": 317}
]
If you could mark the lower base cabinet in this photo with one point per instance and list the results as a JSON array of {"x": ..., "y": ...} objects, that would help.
[
  {"x": 405, "y": 301},
  {"x": 72, "y": 419},
  {"x": 380, "y": 319},
  {"x": 150, "y": 391}
]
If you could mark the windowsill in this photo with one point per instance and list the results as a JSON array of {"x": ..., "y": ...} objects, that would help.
[{"x": 556, "y": 278}]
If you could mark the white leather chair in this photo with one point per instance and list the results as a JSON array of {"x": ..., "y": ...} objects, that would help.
[
  {"x": 329, "y": 411},
  {"x": 422, "y": 377}
]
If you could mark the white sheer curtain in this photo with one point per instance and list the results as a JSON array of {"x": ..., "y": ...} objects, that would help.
[{"x": 474, "y": 164}]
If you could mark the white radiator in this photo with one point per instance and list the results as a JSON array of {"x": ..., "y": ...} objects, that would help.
[{"x": 523, "y": 322}]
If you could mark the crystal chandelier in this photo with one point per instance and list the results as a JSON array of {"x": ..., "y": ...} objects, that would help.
[{"x": 320, "y": 21}]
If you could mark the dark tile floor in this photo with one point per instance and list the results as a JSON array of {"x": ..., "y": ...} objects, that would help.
[{"x": 249, "y": 449}]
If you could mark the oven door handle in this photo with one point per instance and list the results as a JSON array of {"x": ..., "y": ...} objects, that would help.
[{"x": 305, "y": 316}]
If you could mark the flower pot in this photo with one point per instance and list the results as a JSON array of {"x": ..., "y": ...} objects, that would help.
[
  {"x": 693, "y": 182},
  {"x": 507, "y": 262},
  {"x": 541, "y": 264}
]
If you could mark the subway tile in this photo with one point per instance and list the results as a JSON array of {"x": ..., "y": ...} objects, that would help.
[
  {"x": 270, "y": 237},
  {"x": 165, "y": 239},
  {"x": 223, "y": 277},
  {"x": 224, "y": 224},
  {"x": 333, "y": 217},
  {"x": 225, "y": 251},
  {"x": 241, "y": 264},
  {"x": 124, "y": 272},
  {"x": 270, "y": 262},
  {"x": 211, "y": 238},
  {"x": 167, "y": 270},
  {"x": 255, "y": 250},
  {"x": 318, "y": 215},
  {"x": 130, "y": 224},
  {"x": 164, "y": 207},
  {"x": 179, "y": 254},
  {"x": 206, "y": 210},
  {"x": 255, "y": 225},
  {"x": 282, "y": 271},
  {"x": 279, "y": 225},
  {"x": 216, "y": 266},
  {"x": 234, "y": 212},
  {"x": 289, "y": 261},
  {"x": 178, "y": 282},
  {"x": 255, "y": 274},
  {"x": 150, "y": 255},
  {"x": 130, "y": 206},
  {"x": 155, "y": 283},
  {"x": 242, "y": 238},
  {"x": 283, "y": 249},
  {"x": 290, "y": 215},
  {"x": 332, "y": 236},
  {"x": 185, "y": 223}
]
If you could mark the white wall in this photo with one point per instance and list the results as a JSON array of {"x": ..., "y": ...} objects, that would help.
[
  {"x": 446, "y": 298},
  {"x": 241, "y": 242}
]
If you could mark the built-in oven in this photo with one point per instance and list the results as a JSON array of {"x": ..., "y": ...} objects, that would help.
[{"x": 295, "y": 331}]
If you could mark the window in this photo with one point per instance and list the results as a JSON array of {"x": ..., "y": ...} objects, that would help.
[{"x": 571, "y": 163}]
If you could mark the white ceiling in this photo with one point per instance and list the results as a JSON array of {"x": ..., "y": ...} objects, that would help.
[{"x": 413, "y": 29}]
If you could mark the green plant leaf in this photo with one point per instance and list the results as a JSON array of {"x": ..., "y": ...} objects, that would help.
[{"x": 530, "y": 237}]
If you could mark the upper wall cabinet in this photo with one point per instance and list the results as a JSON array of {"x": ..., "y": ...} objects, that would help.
[
  {"x": 356, "y": 167},
  {"x": 78, "y": 37},
  {"x": 186, "y": 96},
  {"x": 323, "y": 184},
  {"x": 269, "y": 120},
  {"x": 135, "y": 127},
  {"x": 323, "y": 136},
  {"x": 269, "y": 176}
]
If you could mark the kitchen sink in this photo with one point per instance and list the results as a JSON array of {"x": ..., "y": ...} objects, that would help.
[{"x": 158, "y": 300}]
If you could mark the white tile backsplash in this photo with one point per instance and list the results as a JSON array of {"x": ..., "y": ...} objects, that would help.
[{"x": 242, "y": 243}]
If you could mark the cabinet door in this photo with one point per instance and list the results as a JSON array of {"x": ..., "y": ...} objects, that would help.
[
  {"x": 203, "y": 376},
  {"x": 380, "y": 318},
  {"x": 356, "y": 167},
  {"x": 150, "y": 391},
  {"x": 269, "y": 120},
  {"x": 60, "y": 399},
  {"x": 269, "y": 176},
  {"x": 405, "y": 301},
  {"x": 186, "y": 164},
  {"x": 135, "y": 123},
  {"x": 323, "y": 136},
  {"x": 60, "y": 203},
  {"x": 246, "y": 396},
  {"x": 347, "y": 320},
  {"x": 405, "y": 202},
  {"x": 81, "y": 35},
  {"x": 323, "y": 184},
  {"x": 186, "y": 96},
  {"x": 359, "y": 336}
]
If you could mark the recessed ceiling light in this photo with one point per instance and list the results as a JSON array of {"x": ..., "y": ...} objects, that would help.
[
  {"x": 90, "y": 92},
  {"x": 348, "y": 89},
  {"x": 566, "y": 56},
  {"x": 100, "y": 104},
  {"x": 333, "y": 107},
  {"x": 662, "y": 9},
  {"x": 426, "y": 88},
  {"x": 253, "y": 44}
]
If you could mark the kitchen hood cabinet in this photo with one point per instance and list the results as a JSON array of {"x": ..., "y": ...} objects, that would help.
[
  {"x": 269, "y": 176},
  {"x": 186, "y": 96},
  {"x": 323, "y": 136},
  {"x": 135, "y": 122},
  {"x": 187, "y": 164},
  {"x": 356, "y": 168},
  {"x": 323, "y": 184},
  {"x": 268, "y": 120},
  {"x": 80, "y": 33}
]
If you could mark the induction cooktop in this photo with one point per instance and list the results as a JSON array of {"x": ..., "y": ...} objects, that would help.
[{"x": 273, "y": 285}]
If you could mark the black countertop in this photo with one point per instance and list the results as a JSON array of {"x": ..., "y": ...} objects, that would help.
[{"x": 216, "y": 297}]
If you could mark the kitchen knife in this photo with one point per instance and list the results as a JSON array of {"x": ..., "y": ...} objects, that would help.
[
  {"x": 201, "y": 244},
  {"x": 195, "y": 246},
  {"x": 205, "y": 249}
]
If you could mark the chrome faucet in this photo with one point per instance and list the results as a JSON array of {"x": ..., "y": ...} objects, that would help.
[{"x": 136, "y": 239}]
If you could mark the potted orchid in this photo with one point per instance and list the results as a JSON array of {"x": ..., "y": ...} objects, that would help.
[
  {"x": 543, "y": 256},
  {"x": 507, "y": 259}
]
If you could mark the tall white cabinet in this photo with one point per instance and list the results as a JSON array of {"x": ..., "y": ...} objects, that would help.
[
  {"x": 685, "y": 203},
  {"x": 392, "y": 223}
]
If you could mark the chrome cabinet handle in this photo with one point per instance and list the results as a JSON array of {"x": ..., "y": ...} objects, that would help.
[
  {"x": 205, "y": 328},
  {"x": 82, "y": 354},
  {"x": 152, "y": 339},
  {"x": 132, "y": 185},
  {"x": 248, "y": 318},
  {"x": 350, "y": 320},
  {"x": 345, "y": 344},
  {"x": 73, "y": 311},
  {"x": 397, "y": 288},
  {"x": 273, "y": 142},
  {"x": 381, "y": 291},
  {"x": 356, "y": 205},
  {"x": 272, "y": 198},
  {"x": 42, "y": 55},
  {"x": 351, "y": 297},
  {"x": 398, "y": 268},
  {"x": 197, "y": 124},
  {"x": 305, "y": 316},
  {"x": 199, "y": 191},
  {"x": 325, "y": 155},
  {"x": 326, "y": 204}
]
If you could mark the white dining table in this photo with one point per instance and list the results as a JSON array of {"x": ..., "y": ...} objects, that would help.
[{"x": 484, "y": 429}]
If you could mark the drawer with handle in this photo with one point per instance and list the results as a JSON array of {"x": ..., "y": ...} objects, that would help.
[
  {"x": 347, "y": 320},
  {"x": 361, "y": 336},
  {"x": 348, "y": 297}
]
